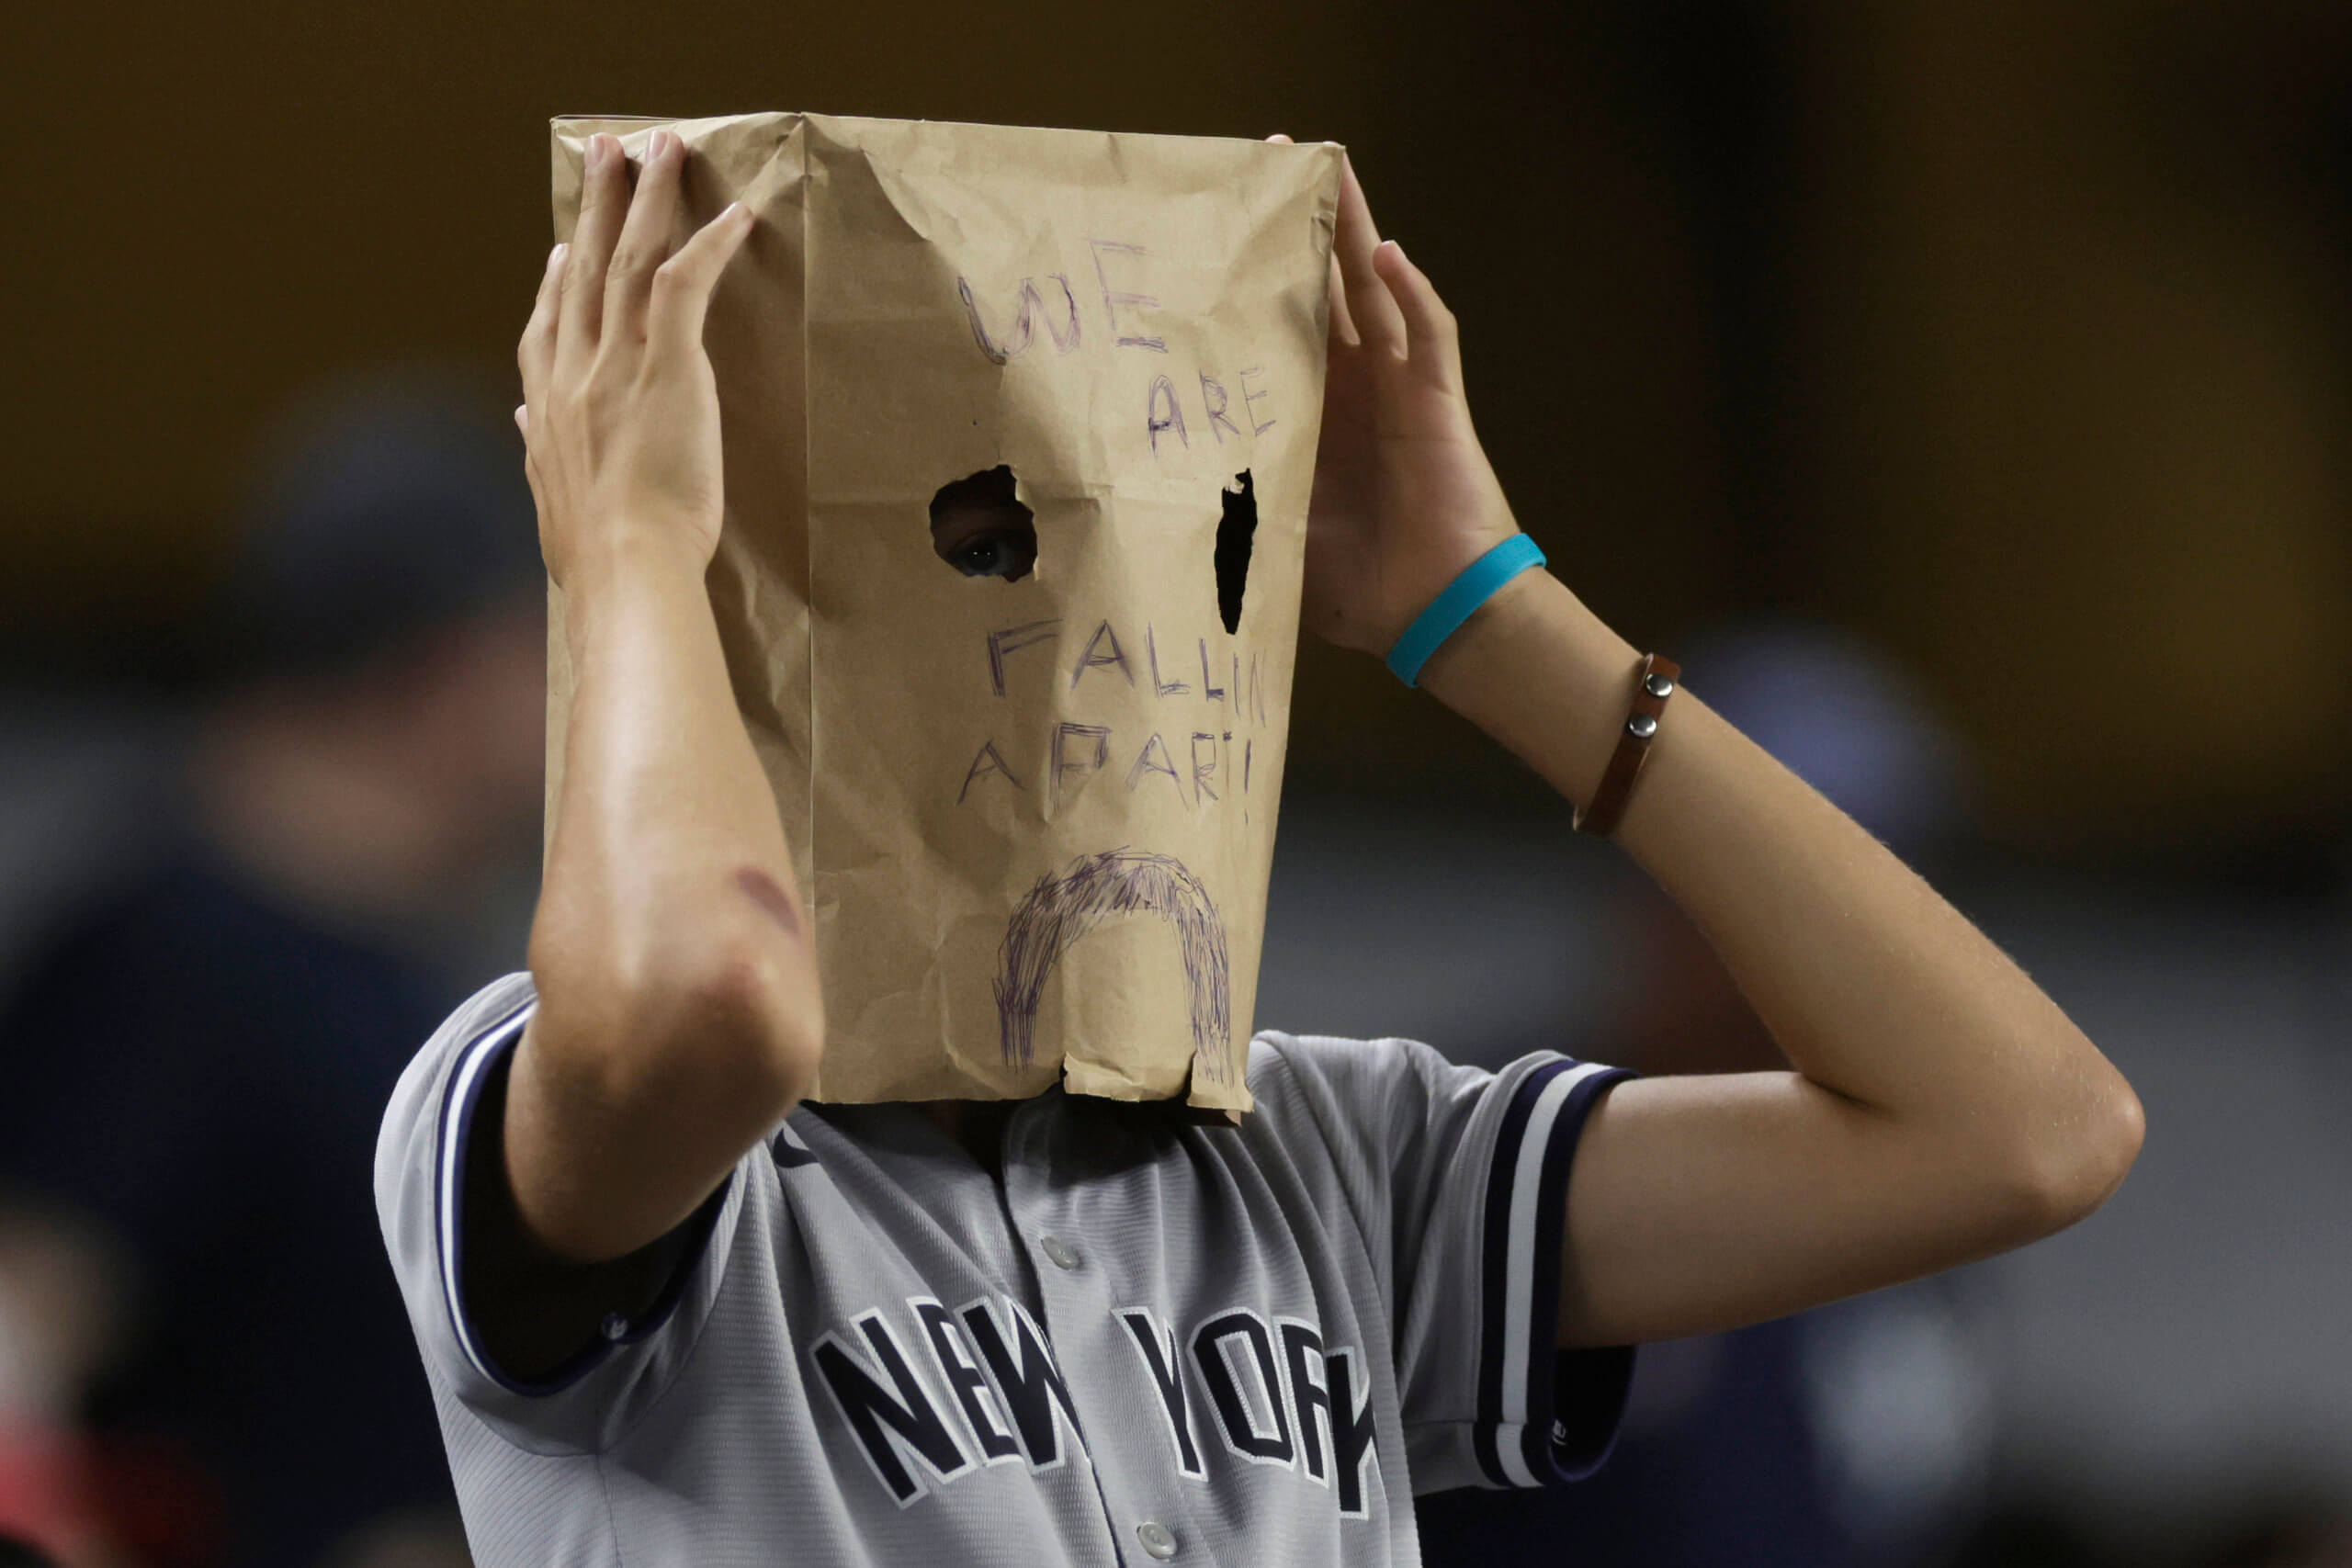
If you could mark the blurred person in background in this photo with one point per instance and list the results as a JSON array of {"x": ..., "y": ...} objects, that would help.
[
  {"x": 59, "y": 1295},
  {"x": 1854, "y": 1436},
  {"x": 199, "y": 1061}
]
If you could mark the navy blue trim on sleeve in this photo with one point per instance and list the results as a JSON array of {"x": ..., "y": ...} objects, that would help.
[
  {"x": 481, "y": 1062},
  {"x": 1545, "y": 1414}
]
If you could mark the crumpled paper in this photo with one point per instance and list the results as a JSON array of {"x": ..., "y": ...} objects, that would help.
[{"x": 1035, "y": 818}]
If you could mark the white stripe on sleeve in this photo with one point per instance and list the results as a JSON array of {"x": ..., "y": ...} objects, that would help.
[
  {"x": 465, "y": 1088},
  {"x": 1526, "y": 1197}
]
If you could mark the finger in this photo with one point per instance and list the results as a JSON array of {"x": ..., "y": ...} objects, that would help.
[
  {"x": 644, "y": 241},
  {"x": 1278, "y": 136},
  {"x": 1370, "y": 309},
  {"x": 1343, "y": 331},
  {"x": 530, "y": 464},
  {"x": 604, "y": 200},
  {"x": 1433, "y": 341},
  {"x": 683, "y": 285},
  {"x": 535, "y": 355}
]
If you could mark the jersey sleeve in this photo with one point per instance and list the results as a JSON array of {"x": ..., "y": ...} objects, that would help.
[
  {"x": 430, "y": 1133},
  {"x": 1458, "y": 1177}
]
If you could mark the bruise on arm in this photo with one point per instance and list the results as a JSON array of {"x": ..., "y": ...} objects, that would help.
[{"x": 769, "y": 894}]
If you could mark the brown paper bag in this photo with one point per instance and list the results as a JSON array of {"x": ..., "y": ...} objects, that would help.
[{"x": 1034, "y": 817}]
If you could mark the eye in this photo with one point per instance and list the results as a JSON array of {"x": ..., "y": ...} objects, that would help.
[
  {"x": 979, "y": 526},
  {"x": 1007, "y": 553}
]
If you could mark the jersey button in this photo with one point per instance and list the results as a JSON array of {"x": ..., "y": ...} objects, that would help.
[
  {"x": 1061, "y": 1253},
  {"x": 1158, "y": 1540}
]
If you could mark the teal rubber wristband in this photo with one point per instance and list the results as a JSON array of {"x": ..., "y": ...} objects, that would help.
[{"x": 1478, "y": 582}]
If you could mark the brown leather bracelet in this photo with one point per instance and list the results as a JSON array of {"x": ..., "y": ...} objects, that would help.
[{"x": 1654, "y": 682}]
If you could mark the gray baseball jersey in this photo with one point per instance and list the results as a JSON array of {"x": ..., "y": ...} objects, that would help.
[{"x": 1156, "y": 1341}]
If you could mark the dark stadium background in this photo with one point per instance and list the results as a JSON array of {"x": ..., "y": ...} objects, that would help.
[{"x": 1997, "y": 356}]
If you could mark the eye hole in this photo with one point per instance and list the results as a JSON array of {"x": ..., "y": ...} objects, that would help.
[
  {"x": 979, "y": 526},
  {"x": 1234, "y": 530}
]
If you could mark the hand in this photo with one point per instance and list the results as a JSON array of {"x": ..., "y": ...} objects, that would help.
[
  {"x": 620, "y": 410},
  {"x": 1404, "y": 495}
]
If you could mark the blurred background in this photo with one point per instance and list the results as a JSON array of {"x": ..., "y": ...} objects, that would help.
[{"x": 1960, "y": 391}]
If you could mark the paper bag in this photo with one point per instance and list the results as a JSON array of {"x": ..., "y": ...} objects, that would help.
[{"x": 1034, "y": 817}]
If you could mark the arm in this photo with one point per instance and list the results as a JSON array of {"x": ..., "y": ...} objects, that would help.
[
  {"x": 1942, "y": 1107},
  {"x": 679, "y": 1016}
]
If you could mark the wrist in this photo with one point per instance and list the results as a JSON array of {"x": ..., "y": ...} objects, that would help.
[
  {"x": 1470, "y": 588},
  {"x": 1436, "y": 566},
  {"x": 614, "y": 558},
  {"x": 629, "y": 580},
  {"x": 1542, "y": 675}
]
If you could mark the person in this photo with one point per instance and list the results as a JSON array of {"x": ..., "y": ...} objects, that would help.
[
  {"x": 199, "y": 1057},
  {"x": 672, "y": 1312}
]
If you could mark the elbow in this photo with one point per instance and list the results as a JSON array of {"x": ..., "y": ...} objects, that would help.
[
  {"x": 737, "y": 1024},
  {"x": 750, "y": 1015},
  {"x": 2081, "y": 1146}
]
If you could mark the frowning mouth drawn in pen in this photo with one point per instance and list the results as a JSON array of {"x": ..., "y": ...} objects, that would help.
[{"x": 1061, "y": 909}]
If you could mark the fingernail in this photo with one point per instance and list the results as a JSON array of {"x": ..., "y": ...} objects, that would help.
[{"x": 555, "y": 256}]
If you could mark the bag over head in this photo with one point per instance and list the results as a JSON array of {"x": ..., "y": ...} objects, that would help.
[{"x": 1020, "y": 431}]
